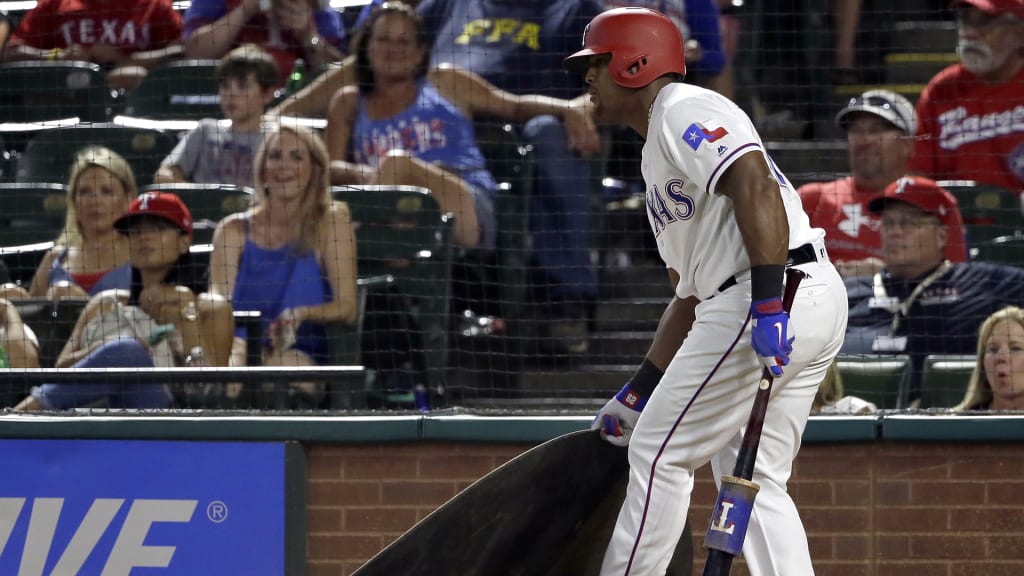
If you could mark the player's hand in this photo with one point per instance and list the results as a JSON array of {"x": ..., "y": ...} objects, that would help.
[
  {"x": 770, "y": 334},
  {"x": 619, "y": 415}
]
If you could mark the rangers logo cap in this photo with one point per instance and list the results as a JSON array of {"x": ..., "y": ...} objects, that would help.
[
  {"x": 890, "y": 106},
  {"x": 164, "y": 205},
  {"x": 920, "y": 192}
]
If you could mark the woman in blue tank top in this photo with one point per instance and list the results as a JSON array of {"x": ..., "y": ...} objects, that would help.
[
  {"x": 291, "y": 257},
  {"x": 404, "y": 125},
  {"x": 89, "y": 256}
]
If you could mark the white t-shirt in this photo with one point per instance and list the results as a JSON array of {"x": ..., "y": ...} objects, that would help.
[{"x": 693, "y": 137}]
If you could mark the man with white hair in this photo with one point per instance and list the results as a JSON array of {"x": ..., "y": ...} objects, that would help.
[{"x": 971, "y": 115}]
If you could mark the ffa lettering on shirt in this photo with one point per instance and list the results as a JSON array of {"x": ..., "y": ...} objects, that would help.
[{"x": 499, "y": 29}]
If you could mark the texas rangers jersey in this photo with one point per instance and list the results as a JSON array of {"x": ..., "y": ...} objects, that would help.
[
  {"x": 694, "y": 135},
  {"x": 968, "y": 129}
]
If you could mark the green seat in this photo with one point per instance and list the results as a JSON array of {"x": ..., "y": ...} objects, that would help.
[
  {"x": 945, "y": 379},
  {"x": 33, "y": 212},
  {"x": 47, "y": 91},
  {"x": 401, "y": 232},
  {"x": 1003, "y": 250},
  {"x": 180, "y": 90},
  {"x": 988, "y": 211},
  {"x": 881, "y": 380},
  {"x": 50, "y": 153},
  {"x": 208, "y": 204},
  {"x": 22, "y": 261}
]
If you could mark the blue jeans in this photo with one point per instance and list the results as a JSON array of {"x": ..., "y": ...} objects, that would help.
[
  {"x": 125, "y": 353},
  {"x": 561, "y": 218}
]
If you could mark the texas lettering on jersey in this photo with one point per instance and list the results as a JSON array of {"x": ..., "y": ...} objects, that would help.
[
  {"x": 957, "y": 128},
  {"x": 113, "y": 31},
  {"x": 672, "y": 207}
]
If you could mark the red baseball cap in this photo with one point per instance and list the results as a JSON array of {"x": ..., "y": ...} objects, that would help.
[
  {"x": 163, "y": 205},
  {"x": 996, "y": 7},
  {"x": 921, "y": 193}
]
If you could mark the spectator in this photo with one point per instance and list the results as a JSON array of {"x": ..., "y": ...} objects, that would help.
[
  {"x": 921, "y": 303},
  {"x": 5, "y": 28},
  {"x": 90, "y": 256},
  {"x": 997, "y": 382},
  {"x": 879, "y": 126},
  {"x": 405, "y": 125},
  {"x": 287, "y": 29},
  {"x": 128, "y": 37},
  {"x": 221, "y": 152},
  {"x": 155, "y": 323},
  {"x": 518, "y": 46},
  {"x": 20, "y": 348},
  {"x": 291, "y": 257},
  {"x": 970, "y": 113}
]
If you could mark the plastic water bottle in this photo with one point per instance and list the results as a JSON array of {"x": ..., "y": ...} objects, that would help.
[
  {"x": 5, "y": 360},
  {"x": 296, "y": 78}
]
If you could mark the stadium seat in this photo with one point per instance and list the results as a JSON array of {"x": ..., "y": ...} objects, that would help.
[
  {"x": 33, "y": 212},
  {"x": 47, "y": 91},
  {"x": 180, "y": 90},
  {"x": 1002, "y": 250},
  {"x": 400, "y": 231},
  {"x": 945, "y": 380},
  {"x": 52, "y": 321},
  {"x": 22, "y": 261},
  {"x": 882, "y": 380},
  {"x": 208, "y": 204},
  {"x": 988, "y": 211},
  {"x": 50, "y": 153}
]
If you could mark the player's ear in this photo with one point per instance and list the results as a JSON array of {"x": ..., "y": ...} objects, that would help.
[{"x": 942, "y": 236}]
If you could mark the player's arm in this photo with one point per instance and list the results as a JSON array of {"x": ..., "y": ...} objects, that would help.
[
  {"x": 761, "y": 218},
  {"x": 760, "y": 213},
  {"x": 619, "y": 415},
  {"x": 481, "y": 98},
  {"x": 675, "y": 324}
]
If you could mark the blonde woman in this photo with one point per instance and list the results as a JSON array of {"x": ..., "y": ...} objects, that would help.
[
  {"x": 997, "y": 382},
  {"x": 292, "y": 256},
  {"x": 90, "y": 256}
]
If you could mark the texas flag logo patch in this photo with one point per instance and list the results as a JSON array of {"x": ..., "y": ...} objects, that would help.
[{"x": 696, "y": 135}]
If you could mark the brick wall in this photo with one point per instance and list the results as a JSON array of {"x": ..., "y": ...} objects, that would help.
[{"x": 883, "y": 509}]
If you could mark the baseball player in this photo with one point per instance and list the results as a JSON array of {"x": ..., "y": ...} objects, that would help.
[{"x": 727, "y": 223}]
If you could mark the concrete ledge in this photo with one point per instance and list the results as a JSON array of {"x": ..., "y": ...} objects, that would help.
[{"x": 466, "y": 428}]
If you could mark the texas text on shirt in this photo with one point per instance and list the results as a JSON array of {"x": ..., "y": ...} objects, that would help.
[{"x": 694, "y": 136}]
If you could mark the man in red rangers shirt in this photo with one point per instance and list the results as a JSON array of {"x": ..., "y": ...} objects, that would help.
[
  {"x": 971, "y": 115},
  {"x": 878, "y": 126},
  {"x": 126, "y": 36}
]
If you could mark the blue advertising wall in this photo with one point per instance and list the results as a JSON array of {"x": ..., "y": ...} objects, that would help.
[{"x": 142, "y": 508}]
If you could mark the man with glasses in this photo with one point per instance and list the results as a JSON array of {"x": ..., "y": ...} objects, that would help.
[
  {"x": 971, "y": 115},
  {"x": 921, "y": 303},
  {"x": 879, "y": 126}
]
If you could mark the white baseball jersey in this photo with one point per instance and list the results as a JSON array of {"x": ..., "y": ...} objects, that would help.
[{"x": 694, "y": 135}]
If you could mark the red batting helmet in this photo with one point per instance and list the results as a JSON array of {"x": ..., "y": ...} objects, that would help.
[{"x": 644, "y": 45}]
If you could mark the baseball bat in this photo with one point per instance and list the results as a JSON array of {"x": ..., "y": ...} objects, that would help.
[{"x": 719, "y": 562}]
